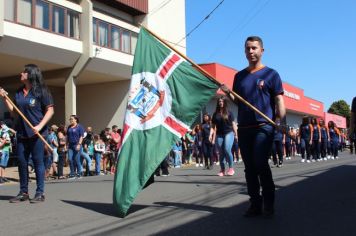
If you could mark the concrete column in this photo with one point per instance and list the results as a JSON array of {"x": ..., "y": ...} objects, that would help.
[
  {"x": 2, "y": 17},
  {"x": 86, "y": 29}
]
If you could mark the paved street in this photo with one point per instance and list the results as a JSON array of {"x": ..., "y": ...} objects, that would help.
[{"x": 312, "y": 199}]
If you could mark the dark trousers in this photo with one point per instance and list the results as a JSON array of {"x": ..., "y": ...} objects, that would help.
[
  {"x": 277, "y": 150},
  {"x": 61, "y": 160},
  {"x": 315, "y": 149},
  {"x": 207, "y": 148},
  {"x": 164, "y": 167},
  {"x": 305, "y": 148},
  {"x": 334, "y": 144},
  {"x": 288, "y": 148},
  {"x": 255, "y": 145},
  {"x": 35, "y": 148},
  {"x": 323, "y": 147}
]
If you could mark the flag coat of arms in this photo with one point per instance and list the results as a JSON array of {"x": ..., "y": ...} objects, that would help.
[{"x": 166, "y": 96}]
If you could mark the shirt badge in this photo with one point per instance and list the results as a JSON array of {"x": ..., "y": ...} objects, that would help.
[
  {"x": 260, "y": 83},
  {"x": 32, "y": 102}
]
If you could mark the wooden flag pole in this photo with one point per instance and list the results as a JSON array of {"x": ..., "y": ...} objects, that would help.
[
  {"x": 28, "y": 122},
  {"x": 213, "y": 79}
]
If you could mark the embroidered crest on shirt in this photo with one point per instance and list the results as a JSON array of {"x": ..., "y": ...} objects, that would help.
[
  {"x": 260, "y": 83},
  {"x": 32, "y": 102}
]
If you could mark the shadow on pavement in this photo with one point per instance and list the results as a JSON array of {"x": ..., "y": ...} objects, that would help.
[
  {"x": 5, "y": 198},
  {"x": 103, "y": 208},
  {"x": 324, "y": 204}
]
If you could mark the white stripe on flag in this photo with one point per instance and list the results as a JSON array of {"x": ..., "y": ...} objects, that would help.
[{"x": 169, "y": 64}]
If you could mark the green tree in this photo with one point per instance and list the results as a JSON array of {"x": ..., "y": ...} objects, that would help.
[{"x": 341, "y": 108}]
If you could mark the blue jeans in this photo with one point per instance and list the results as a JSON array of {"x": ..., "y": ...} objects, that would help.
[
  {"x": 87, "y": 158},
  {"x": 35, "y": 148},
  {"x": 4, "y": 159},
  {"x": 177, "y": 157},
  {"x": 75, "y": 164},
  {"x": 255, "y": 147},
  {"x": 97, "y": 156},
  {"x": 224, "y": 143}
]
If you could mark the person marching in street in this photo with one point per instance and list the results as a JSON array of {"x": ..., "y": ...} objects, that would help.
[
  {"x": 35, "y": 101},
  {"x": 261, "y": 86},
  {"x": 352, "y": 130},
  {"x": 207, "y": 139},
  {"x": 225, "y": 129},
  {"x": 277, "y": 148},
  {"x": 324, "y": 133},
  {"x": 305, "y": 138},
  {"x": 334, "y": 134},
  {"x": 288, "y": 143},
  {"x": 315, "y": 148}
]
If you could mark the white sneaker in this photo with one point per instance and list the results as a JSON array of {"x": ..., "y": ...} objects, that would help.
[
  {"x": 332, "y": 158},
  {"x": 197, "y": 165},
  {"x": 177, "y": 167},
  {"x": 336, "y": 157},
  {"x": 217, "y": 163},
  {"x": 318, "y": 160},
  {"x": 308, "y": 161},
  {"x": 313, "y": 160},
  {"x": 329, "y": 157},
  {"x": 201, "y": 164},
  {"x": 325, "y": 159},
  {"x": 303, "y": 160}
]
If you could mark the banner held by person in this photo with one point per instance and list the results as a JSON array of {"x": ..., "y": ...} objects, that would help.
[{"x": 166, "y": 96}]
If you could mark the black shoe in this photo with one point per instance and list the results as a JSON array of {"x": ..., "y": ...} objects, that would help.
[
  {"x": 39, "y": 197},
  {"x": 21, "y": 197},
  {"x": 253, "y": 212}
]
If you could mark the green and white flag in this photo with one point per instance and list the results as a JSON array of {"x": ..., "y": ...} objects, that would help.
[{"x": 166, "y": 96}]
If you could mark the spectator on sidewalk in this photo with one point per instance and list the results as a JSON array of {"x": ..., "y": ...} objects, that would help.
[
  {"x": 62, "y": 150},
  {"x": 75, "y": 134},
  {"x": 5, "y": 145},
  {"x": 99, "y": 149}
]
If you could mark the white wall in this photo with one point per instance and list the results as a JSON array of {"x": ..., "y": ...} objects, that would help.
[
  {"x": 168, "y": 22},
  {"x": 102, "y": 105}
]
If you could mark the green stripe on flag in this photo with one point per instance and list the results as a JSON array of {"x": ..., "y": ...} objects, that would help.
[{"x": 140, "y": 156}]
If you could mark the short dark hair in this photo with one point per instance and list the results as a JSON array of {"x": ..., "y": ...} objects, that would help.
[{"x": 255, "y": 38}]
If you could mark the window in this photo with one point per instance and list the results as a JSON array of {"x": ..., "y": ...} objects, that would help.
[
  {"x": 95, "y": 40},
  {"x": 115, "y": 38},
  {"x": 24, "y": 12},
  {"x": 58, "y": 20},
  {"x": 10, "y": 10},
  {"x": 73, "y": 24},
  {"x": 103, "y": 34},
  {"x": 126, "y": 41},
  {"x": 42, "y": 15},
  {"x": 133, "y": 42}
]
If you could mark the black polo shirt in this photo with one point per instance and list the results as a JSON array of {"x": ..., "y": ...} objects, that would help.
[{"x": 34, "y": 108}]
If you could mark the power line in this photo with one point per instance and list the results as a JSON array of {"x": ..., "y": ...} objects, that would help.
[
  {"x": 240, "y": 27},
  {"x": 196, "y": 27}
]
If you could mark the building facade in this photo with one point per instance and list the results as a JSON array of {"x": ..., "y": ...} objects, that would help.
[{"x": 84, "y": 48}]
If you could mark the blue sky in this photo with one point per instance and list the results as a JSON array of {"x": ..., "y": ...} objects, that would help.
[{"x": 311, "y": 43}]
